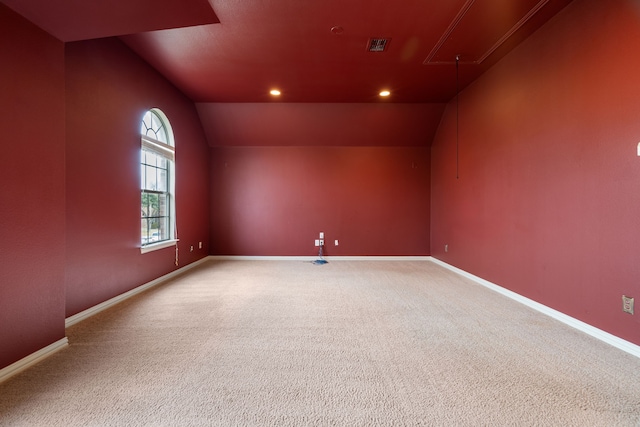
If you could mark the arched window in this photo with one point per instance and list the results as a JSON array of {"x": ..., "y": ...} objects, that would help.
[{"x": 157, "y": 182}]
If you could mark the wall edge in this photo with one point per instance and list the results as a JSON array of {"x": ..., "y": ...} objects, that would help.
[
  {"x": 30, "y": 360},
  {"x": 599, "y": 334},
  {"x": 78, "y": 317}
]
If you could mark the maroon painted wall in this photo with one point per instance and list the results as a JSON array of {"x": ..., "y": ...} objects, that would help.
[
  {"x": 282, "y": 173},
  {"x": 275, "y": 200},
  {"x": 32, "y": 193},
  {"x": 108, "y": 90},
  {"x": 548, "y": 196}
]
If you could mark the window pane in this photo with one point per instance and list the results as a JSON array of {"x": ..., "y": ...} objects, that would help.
[
  {"x": 163, "y": 229},
  {"x": 150, "y": 158},
  {"x": 144, "y": 205},
  {"x": 152, "y": 126},
  {"x": 146, "y": 123},
  {"x": 162, "y": 180},
  {"x": 155, "y": 123},
  {"x": 162, "y": 136},
  {"x": 149, "y": 205},
  {"x": 150, "y": 180},
  {"x": 161, "y": 205},
  {"x": 144, "y": 231},
  {"x": 154, "y": 204},
  {"x": 154, "y": 230}
]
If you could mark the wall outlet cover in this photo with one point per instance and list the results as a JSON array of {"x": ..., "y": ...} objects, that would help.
[{"x": 627, "y": 304}]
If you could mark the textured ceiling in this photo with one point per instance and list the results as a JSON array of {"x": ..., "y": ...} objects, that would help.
[{"x": 247, "y": 47}]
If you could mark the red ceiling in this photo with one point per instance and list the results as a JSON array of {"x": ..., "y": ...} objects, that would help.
[
  {"x": 71, "y": 20},
  {"x": 286, "y": 44}
]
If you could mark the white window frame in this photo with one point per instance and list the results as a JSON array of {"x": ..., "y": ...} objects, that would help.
[{"x": 165, "y": 150}]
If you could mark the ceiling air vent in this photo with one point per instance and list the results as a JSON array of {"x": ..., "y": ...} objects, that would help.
[{"x": 377, "y": 45}]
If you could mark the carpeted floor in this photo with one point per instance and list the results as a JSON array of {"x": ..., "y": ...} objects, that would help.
[{"x": 288, "y": 343}]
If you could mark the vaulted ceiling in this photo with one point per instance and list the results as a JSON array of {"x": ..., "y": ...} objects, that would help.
[{"x": 311, "y": 50}]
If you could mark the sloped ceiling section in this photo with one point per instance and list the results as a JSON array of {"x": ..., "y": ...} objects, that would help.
[
  {"x": 73, "y": 20},
  {"x": 313, "y": 51},
  {"x": 320, "y": 124}
]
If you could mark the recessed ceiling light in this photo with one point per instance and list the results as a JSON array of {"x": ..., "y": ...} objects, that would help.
[
  {"x": 385, "y": 93},
  {"x": 274, "y": 92}
]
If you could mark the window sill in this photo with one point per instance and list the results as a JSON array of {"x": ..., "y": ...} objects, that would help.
[{"x": 160, "y": 245}]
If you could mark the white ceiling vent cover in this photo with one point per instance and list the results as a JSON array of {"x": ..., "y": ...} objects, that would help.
[{"x": 378, "y": 45}]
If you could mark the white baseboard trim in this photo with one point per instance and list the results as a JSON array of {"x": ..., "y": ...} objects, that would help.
[
  {"x": 30, "y": 360},
  {"x": 606, "y": 337},
  {"x": 78, "y": 317},
  {"x": 313, "y": 258}
]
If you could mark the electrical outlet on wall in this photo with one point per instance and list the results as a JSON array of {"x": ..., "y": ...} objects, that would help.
[{"x": 627, "y": 304}]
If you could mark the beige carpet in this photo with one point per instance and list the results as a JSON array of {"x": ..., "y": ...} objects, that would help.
[{"x": 287, "y": 343}]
